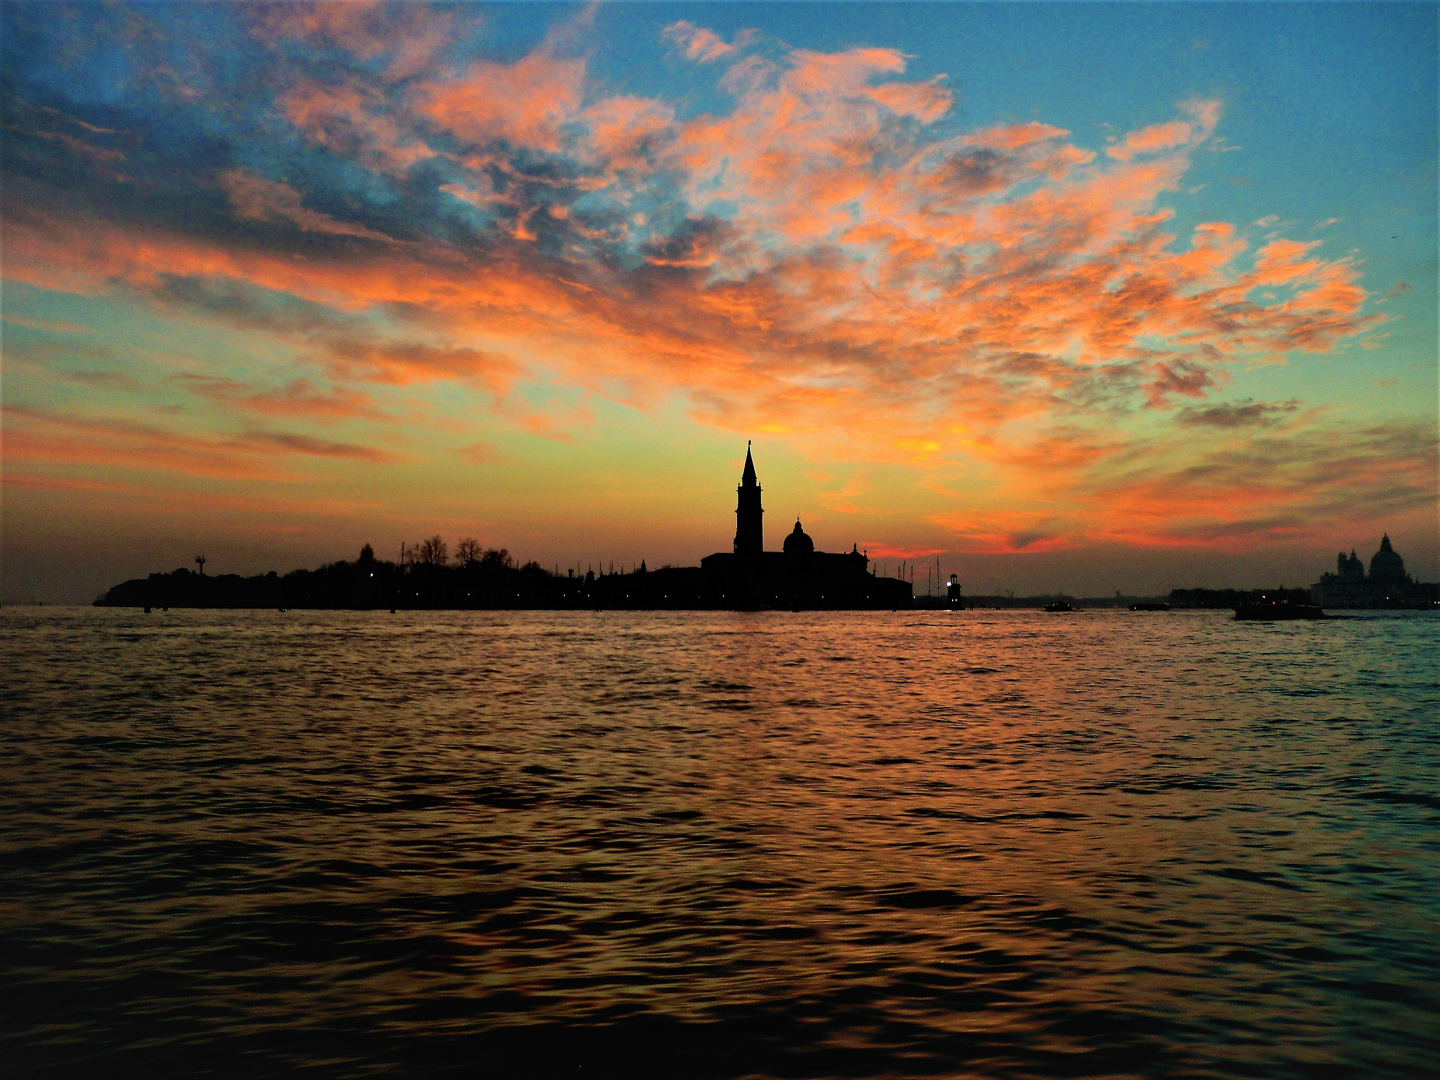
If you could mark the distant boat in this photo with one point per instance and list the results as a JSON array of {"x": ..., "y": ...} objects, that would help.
[
  {"x": 1274, "y": 611},
  {"x": 1150, "y": 607},
  {"x": 1060, "y": 605}
]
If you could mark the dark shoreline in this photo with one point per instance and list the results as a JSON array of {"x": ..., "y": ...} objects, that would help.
[
  {"x": 376, "y": 585},
  {"x": 491, "y": 580},
  {"x": 498, "y": 584}
]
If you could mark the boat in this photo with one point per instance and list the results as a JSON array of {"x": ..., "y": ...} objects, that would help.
[
  {"x": 1274, "y": 611},
  {"x": 1142, "y": 606},
  {"x": 1060, "y": 605}
]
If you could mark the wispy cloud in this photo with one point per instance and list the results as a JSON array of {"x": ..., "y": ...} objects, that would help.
[
  {"x": 702, "y": 45},
  {"x": 1233, "y": 414},
  {"x": 53, "y": 326},
  {"x": 259, "y": 199},
  {"x": 299, "y": 397}
]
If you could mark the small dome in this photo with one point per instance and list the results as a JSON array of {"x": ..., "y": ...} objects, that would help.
[
  {"x": 797, "y": 543},
  {"x": 1386, "y": 565}
]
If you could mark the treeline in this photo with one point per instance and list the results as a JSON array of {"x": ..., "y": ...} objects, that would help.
[
  {"x": 469, "y": 553},
  {"x": 425, "y": 578}
]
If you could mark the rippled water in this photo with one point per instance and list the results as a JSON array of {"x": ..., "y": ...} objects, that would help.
[{"x": 712, "y": 844}]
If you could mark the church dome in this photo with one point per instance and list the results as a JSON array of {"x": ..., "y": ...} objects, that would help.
[
  {"x": 797, "y": 543},
  {"x": 1386, "y": 565}
]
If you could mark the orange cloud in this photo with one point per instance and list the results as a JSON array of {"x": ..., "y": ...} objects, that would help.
[
  {"x": 1014, "y": 136},
  {"x": 299, "y": 397},
  {"x": 991, "y": 532},
  {"x": 1152, "y": 139},
  {"x": 33, "y": 436},
  {"x": 1237, "y": 481},
  {"x": 407, "y": 362}
]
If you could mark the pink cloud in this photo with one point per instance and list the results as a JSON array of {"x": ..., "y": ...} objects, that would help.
[
  {"x": 702, "y": 45},
  {"x": 524, "y": 103},
  {"x": 622, "y": 129},
  {"x": 355, "y": 120},
  {"x": 409, "y": 35},
  {"x": 355, "y": 25}
]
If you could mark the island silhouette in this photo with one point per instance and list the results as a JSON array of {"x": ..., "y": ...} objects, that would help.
[
  {"x": 747, "y": 578},
  {"x": 798, "y": 577}
]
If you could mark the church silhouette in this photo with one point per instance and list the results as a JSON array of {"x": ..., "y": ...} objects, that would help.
[
  {"x": 797, "y": 576},
  {"x": 1387, "y": 586}
]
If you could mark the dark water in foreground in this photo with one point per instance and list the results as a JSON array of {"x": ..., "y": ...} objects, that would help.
[{"x": 530, "y": 844}]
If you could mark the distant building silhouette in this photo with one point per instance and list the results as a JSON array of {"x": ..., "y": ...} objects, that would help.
[
  {"x": 1388, "y": 585},
  {"x": 797, "y": 576}
]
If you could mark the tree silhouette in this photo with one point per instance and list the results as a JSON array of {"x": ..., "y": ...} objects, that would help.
[
  {"x": 468, "y": 551},
  {"x": 433, "y": 551}
]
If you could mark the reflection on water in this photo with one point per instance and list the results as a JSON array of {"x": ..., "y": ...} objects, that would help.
[{"x": 712, "y": 844}]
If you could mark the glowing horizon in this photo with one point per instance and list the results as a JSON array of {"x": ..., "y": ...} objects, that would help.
[{"x": 280, "y": 280}]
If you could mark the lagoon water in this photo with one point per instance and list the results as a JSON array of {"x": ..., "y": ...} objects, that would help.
[{"x": 712, "y": 844}]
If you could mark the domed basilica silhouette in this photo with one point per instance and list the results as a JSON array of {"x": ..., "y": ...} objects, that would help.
[{"x": 1387, "y": 584}]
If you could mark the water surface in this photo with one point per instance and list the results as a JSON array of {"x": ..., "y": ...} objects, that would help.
[{"x": 712, "y": 844}]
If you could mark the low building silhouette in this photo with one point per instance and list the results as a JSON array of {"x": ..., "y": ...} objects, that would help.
[{"x": 1386, "y": 586}]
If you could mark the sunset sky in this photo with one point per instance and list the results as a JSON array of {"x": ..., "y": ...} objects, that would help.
[{"x": 1077, "y": 297}]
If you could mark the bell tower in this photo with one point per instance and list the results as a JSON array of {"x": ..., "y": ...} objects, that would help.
[{"x": 749, "y": 530}]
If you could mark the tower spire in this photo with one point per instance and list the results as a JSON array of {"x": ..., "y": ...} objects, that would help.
[{"x": 749, "y": 530}]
